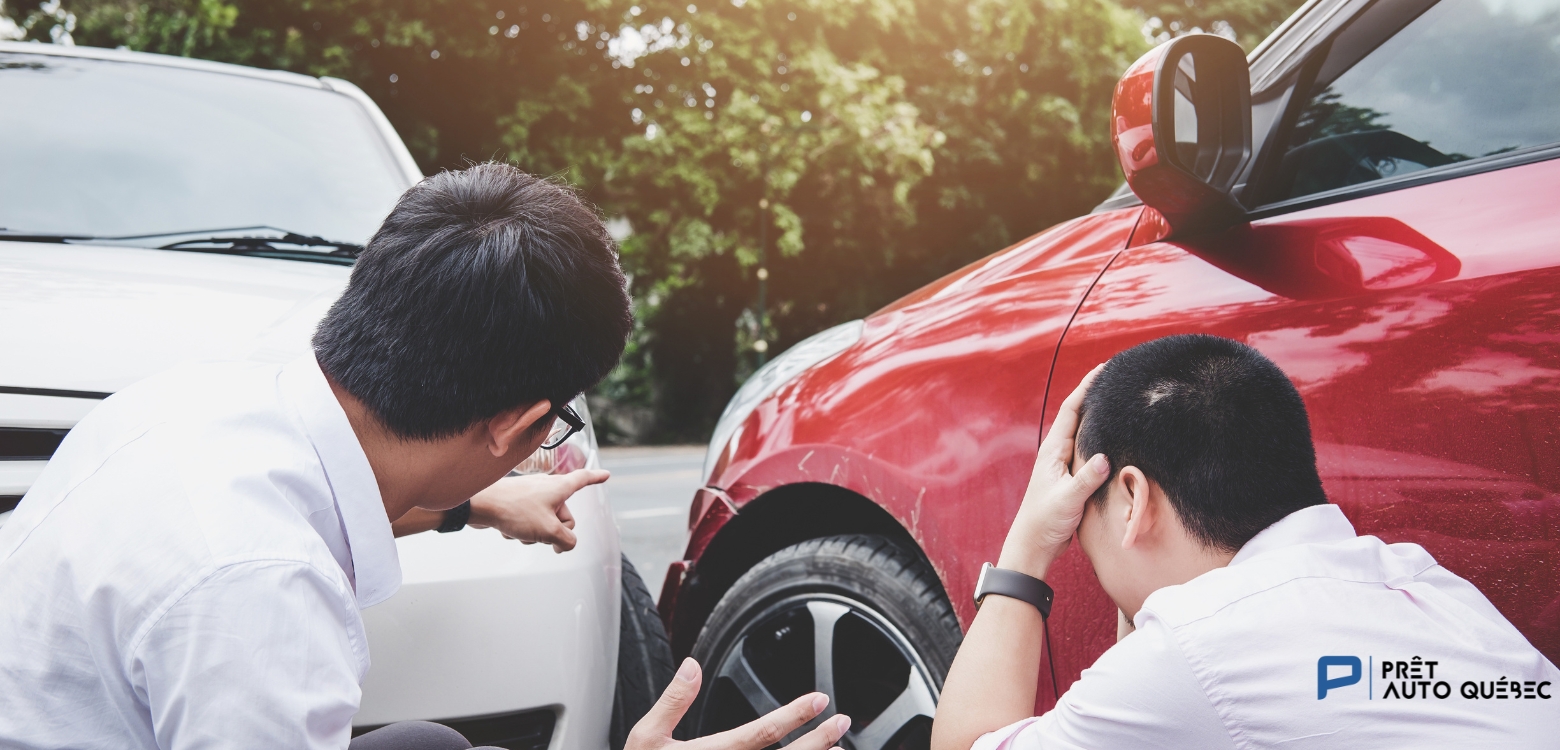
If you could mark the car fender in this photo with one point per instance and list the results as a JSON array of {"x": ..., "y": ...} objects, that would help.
[{"x": 934, "y": 415}]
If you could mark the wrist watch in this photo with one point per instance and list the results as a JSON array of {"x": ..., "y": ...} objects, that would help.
[
  {"x": 455, "y": 518},
  {"x": 1015, "y": 585}
]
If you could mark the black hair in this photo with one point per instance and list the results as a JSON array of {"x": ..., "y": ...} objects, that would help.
[
  {"x": 483, "y": 290},
  {"x": 1215, "y": 424}
]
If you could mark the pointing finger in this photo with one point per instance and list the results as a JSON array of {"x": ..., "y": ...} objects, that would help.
[{"x": 581, "y": 478}]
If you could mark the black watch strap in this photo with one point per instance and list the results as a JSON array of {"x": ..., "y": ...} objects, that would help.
[
  {"x": 455, "y": 518},
  {"x": 1015, "y": 585}
]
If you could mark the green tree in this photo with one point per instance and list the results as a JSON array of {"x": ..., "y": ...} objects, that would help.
[
  {"x": 1246, "y": 21},
  {"x": 852, "y": 151}
]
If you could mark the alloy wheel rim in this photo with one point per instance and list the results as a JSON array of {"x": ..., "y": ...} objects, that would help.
[{"x": 837, "y": 646}]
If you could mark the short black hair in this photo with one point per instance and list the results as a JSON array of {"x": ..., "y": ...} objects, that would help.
[
  {"x": 483, "y": 290},
  {"x": 1215, "y": 424}
]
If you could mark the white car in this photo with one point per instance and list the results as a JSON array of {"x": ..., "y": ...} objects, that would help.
[{"x": 157, "y": 210}]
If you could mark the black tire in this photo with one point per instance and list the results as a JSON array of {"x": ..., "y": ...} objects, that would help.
[
  {"x": 890, "y": 638},
  {"x": 644, "y": 664}
]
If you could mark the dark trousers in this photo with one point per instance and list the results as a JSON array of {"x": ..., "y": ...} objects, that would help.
[{"x": 412, "y": 735}]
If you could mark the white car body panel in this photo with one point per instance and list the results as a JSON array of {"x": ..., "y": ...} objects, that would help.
[
  {"x": 94, "y": 318},
  {"x": 482, "y": 625},
  {"x": 16, "y": 477},
  {"x": 559, "y": 611}
]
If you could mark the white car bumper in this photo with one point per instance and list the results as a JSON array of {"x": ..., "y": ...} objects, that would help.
[{"x": 486, "y": 626}]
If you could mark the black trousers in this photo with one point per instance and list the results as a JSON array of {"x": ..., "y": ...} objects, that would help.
[{"x": 412, "y": 735}]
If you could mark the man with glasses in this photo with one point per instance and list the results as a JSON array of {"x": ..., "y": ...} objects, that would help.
[
  {"x": 529, "y": 508},
  {"x": 189, "y": 569}
]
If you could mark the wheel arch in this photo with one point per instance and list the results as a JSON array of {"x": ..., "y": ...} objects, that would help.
[{"x": 777, "y": 519}]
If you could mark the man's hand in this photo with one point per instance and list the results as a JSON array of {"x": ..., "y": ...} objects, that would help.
[
  {"x": 992, "y": 681},
  {"x": 531, "y": 508},
  {"x": 1053, "y": 504},
  {"x": 654, "y": 731}
]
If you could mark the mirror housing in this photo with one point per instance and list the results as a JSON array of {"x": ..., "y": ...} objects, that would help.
[{"x": 1181, "y": 125}]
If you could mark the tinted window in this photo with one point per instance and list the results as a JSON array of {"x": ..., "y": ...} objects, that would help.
[
  {"x": 1466, "y": 79},
  {"x": 112, "y": 148}
]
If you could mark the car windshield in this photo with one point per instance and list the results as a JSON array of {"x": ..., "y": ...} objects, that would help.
[
  {"x": 1467, "y": 79},
  {"x": 108, "y": 149}
]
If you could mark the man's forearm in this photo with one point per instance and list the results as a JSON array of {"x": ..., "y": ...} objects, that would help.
[{"x": 992, "y": 681}]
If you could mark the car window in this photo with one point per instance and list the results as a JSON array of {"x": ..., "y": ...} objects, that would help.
[
  {"x": 1465, "y": 79},
  {"x": 109, "y": 148}
]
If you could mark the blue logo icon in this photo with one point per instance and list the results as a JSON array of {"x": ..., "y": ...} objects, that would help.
[{"x": 1324, "y": 684}]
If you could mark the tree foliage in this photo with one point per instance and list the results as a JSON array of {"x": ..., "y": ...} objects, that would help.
[
  {"x": 847, "y": 150},
  {"x": 1246, "y": 21},
  {"x": 853, "y": 150}
]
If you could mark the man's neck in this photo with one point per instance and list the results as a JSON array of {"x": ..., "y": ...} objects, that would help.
[
  {"x": 399, "y": 465},
  {"x": 1183, "y": 565}
]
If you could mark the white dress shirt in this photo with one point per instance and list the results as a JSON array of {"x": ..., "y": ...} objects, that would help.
[
  {"x": 188, "y": 570},
  {"x": 1230, "y": 659}
]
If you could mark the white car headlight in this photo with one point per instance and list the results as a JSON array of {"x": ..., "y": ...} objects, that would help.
[{"x": 807, "y": 354}]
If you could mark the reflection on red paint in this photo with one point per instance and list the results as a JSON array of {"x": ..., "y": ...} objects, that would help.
[
  {"x": 1132, "y": 115},
  {"x": 1421, "y": 326},
  {"x": 934, "y": 414},
  {"x": 1152, "y": 227},
  {"x": 1427, "y": 352},
  {"x": 1327, "y": 258}
]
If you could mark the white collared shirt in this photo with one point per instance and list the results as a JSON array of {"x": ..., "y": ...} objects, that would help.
[
  {"x": 188, "y": 570},
  {"x": 1233, "y": 658}
]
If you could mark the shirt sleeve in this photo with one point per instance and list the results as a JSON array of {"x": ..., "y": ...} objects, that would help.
[
  {"x": 255, "y": 656},
  {"x": 1141, "y": 693}
]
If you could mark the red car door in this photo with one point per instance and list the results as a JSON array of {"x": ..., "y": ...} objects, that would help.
[{"x": 1403, "y": 267}]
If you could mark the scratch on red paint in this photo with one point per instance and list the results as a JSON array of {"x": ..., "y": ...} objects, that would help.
[
  {"x": 802, "y": 465},
  {"x": 915, "y": 514}
]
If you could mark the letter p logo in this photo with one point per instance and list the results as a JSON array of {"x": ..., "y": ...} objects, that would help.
[{"x": 1324, "y": 683}]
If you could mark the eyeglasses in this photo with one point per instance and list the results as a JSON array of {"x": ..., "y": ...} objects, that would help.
[{"x": 567, "y": 423}]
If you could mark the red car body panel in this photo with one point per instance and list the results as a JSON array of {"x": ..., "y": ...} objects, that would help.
[
  {"x": 940, "y": 403},
  {"x": 1132, "y": 120},
  {"x": 1421, "y": 326}
]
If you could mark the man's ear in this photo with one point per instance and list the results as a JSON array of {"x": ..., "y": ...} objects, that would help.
[
  {"x": 1138, "y": 495},
  {"x": 509, "y": 427}
]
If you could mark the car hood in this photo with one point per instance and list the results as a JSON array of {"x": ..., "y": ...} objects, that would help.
[{"x": 94, "y": 318}]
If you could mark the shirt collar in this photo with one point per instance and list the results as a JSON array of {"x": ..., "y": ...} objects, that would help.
[
  {"x": 1317, "y": 523},
  {"x": 376, "y": 567}
]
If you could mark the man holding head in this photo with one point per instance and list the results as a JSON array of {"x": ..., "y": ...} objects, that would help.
[
  {"x": 1185, "y": 469},
  {"x": 188, "y": 570}
]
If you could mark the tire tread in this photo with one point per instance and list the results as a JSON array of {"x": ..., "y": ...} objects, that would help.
[{"x": 644, "y": 667}]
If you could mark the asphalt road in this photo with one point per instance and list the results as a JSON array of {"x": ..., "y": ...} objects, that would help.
[{"x": 650, "y": 491}]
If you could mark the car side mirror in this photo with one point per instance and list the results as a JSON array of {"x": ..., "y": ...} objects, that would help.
[{"x": 1181, "y": 125}]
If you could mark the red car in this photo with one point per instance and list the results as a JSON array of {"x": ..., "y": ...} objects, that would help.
[{"x": 1373, "y": 201}]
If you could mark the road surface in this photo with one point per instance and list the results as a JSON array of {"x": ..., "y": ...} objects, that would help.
[{"x": 650, "y": 490}]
